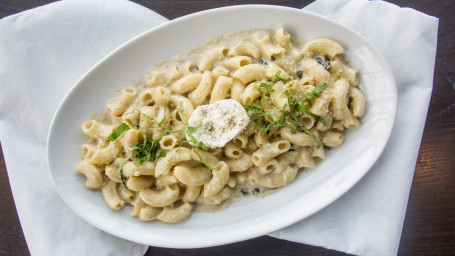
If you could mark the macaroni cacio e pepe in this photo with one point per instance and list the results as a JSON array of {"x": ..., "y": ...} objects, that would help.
[{"x": 160, "y": 147}]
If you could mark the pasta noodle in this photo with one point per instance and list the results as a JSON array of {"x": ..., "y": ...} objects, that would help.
[{"x": 300, "y": 97}]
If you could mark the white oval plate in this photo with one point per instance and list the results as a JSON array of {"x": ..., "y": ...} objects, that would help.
[{"x": 252, "y": 217}]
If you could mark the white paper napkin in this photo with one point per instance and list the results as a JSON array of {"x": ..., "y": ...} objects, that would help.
[
  {"x": 44, "y": 51},
  {"x": 369, "y": 218}
]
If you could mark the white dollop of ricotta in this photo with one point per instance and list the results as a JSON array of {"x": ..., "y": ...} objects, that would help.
[{"x": 219, "y": 122}]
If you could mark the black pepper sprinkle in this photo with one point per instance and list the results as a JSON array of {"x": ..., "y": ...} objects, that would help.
[
  {"x": 292, "y": 148},
  {"x": 256, "y": 191},
  {"x": 244, "y": 191}
]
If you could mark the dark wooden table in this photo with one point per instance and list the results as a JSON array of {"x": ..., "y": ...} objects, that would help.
[{"x": 429, "y": 227}]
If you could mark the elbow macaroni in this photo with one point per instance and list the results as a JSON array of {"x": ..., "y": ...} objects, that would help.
[{"x": 239, "y": 67}]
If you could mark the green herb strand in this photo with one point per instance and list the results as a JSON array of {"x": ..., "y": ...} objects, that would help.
[
  {"x": 120, "y": 168},
  {"x": 202, "y": 160},
  {"x": 306, "y": 130},
  {"x": 310, "y": 96},
  {"x": 118, "y": 131},
  {"x": 282, "y": 79},
  {"x": 189, "y": 131},
  {"x": 165, "y": 108}
]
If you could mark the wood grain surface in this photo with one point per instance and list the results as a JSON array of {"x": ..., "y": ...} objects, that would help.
[{"x": 429, "y": 227}]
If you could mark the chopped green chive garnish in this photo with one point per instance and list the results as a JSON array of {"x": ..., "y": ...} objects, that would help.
[
  {"x": 120, "y": 168},
  {"x": 118, "y": 131},
  {"x": 165, "y": 108},
  {"x": 289, "y": 112},
  {"x": 282, "y": 79},
  {"x": 202, "y": 160},
  {"x": 309, "y": 96},
  {"x": 147, "y": 150}
]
